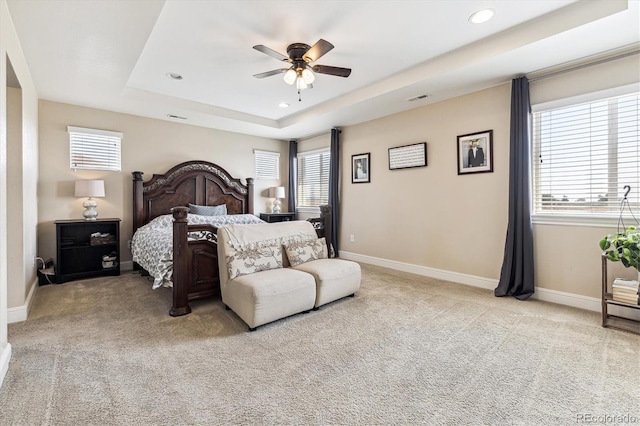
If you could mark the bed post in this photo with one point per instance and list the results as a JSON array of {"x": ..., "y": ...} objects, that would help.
[
  {"x": 180, "y": 263},
  {"x": 250, "y": 195},
  {"x": 138, "y": 205},
  {"x": 325, "y": 215}
]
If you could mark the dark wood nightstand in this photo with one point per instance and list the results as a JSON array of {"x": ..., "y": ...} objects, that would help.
[
  {"x": 277, "y": 217},
  {"x": 79, "y": 255}
]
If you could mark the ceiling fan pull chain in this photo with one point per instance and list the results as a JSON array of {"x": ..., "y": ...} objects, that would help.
[{"x": 299, "y": 96}]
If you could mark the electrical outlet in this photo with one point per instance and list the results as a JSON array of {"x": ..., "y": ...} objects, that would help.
[
  {"x": 352, "y": 238},
  {"x": 129, "y": 243}
]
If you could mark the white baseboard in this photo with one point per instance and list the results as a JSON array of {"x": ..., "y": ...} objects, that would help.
[
  {"x": 568, "y": 299},
  {"x": 544, "y": 294},
  {"x": 5, "y": 357},
  {"x": 20, "y": 313}
]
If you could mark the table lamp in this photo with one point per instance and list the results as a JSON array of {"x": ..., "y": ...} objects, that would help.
[
  {"x": 276, "y": 192},
  {"x": 90, "y": 188}
]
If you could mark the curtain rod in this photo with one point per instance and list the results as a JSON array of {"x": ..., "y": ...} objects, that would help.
[{"x": 582, "y": 63}]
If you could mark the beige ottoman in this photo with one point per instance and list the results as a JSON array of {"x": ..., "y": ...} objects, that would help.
[
  {"x": 266, "y": 296},
  {"x": 334, "y": 278}
]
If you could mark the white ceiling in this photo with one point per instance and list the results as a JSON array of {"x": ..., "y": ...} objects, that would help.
[{"x": 115, "y": 55}]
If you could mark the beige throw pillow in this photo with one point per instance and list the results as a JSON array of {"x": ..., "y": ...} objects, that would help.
[
  {"x": 254, "y": 258},
  {"x": 299, "y": 252}
]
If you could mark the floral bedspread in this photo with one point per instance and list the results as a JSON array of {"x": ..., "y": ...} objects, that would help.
[{"x": 152, "y": 244}]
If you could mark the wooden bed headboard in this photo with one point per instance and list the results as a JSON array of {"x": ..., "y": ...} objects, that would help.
[{"x": 195, "y": 182}]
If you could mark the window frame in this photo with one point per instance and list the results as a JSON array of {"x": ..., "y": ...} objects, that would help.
[
  {"x": 604, "y": 219},
  {"x": 266, "y": 156},
  {"x": 101, "y": 138},
  {"x": 320, "y": 151}
]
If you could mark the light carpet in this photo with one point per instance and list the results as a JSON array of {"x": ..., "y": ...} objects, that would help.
[{"x": 406, "y": 350}]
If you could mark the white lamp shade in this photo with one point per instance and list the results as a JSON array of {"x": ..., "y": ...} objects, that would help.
[
  {"x": 89, "y": 188},
  {"x": 308, "y": 76},
  {"x": 290, "y": 76},
  {"x": 276, "y": 192}
]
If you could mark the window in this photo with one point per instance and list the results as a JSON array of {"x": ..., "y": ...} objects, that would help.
[
  {"x": 583, "y": 156},
  {"x": 313, "y": 178},
  {"x": 267, "y": 164},
  {"x": 92, "y": 149}
]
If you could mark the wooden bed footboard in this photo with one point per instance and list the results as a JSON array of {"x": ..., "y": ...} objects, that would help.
[{"x": 195, "y": 264}]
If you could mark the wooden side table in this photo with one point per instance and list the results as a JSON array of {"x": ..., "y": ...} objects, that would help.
[{"x": 79, "y": 255}]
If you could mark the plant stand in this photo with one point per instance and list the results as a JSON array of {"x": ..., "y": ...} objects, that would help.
[{"x": 615, "y": 321}]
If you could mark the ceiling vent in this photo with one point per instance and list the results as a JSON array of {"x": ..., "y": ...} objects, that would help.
[
  {"x": 415, "y": 98},
  {"x": 176, "y": 116}
]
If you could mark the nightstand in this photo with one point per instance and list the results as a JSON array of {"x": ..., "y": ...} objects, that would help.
[
  {"x": 277, "y": 217},
  {"x": 81, "y": 255}
]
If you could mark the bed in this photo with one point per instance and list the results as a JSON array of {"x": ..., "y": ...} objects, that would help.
[{"x": 183, "y": 252}]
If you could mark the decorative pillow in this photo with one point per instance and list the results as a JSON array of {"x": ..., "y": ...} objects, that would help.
[
  {"x": 304, "y": 251},
  {"x": 220, "y": 210},
  {"x": 255, "y": 257}
]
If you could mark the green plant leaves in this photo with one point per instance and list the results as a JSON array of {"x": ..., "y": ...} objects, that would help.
[{"x": 623, "y": 247}]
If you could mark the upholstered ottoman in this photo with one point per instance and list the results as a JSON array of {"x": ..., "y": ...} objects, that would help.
[
  {"x": 266, "y": 296},
  {"x": 334, "y": 278}
]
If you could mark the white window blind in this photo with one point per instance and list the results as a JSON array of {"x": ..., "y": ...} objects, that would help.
[
  {"x": 584, "y": 155},
  {"x": 267, "y": 164},
  {"x": 92, "y": 149},
  {"x": 313, "y": 178}
]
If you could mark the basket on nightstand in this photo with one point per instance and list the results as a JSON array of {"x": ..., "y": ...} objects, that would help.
[{"x": 102, "y": 239}]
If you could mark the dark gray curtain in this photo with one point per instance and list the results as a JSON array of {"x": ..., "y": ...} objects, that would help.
[
  {"x": 293, "y": 175},
  {"x": 516, "y": 277},
  {"x": 334, "y": 187}
]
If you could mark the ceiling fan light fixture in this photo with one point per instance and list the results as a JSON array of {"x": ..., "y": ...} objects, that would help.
[
  {"x": 308, "y": 76},
  {"x": 300, "y": 83},
  {"x": 481, "y": 16},
  {"x": 290, "y": 76}
]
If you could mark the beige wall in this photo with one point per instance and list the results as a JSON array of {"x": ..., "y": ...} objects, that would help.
[
  {"x": 148, "y": 145},
  {"x": 16, "y": 267},
  {"x": 433, "y": 218},
  {"x": 430, "y": 216},
  {"x": 10, "y": 51}
]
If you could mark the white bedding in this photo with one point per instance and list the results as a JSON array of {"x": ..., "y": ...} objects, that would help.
[{"x": 152, "y": 244}]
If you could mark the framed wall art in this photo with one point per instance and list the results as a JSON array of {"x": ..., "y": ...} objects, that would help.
[
  {"x": 407, "y": 156},
  {"x": 361, "y": 168},
  {"x": 475, "y": 153}
]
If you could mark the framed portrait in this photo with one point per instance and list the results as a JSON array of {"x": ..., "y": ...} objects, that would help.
[
  {"x": 361, "y": 168},
  {"x": 475, "y": 153}
]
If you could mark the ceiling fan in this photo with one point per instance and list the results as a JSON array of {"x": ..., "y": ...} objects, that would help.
[{"x": 301, "y": 70}]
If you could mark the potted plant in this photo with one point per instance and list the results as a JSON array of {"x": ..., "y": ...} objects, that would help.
[{"x": 623, "y": 247}]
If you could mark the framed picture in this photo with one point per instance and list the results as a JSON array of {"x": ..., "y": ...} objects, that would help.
[
  {"x": 361, "y": 168},
  {"x": 475, "y": 153},
  {"x": 407, "y": 156}
]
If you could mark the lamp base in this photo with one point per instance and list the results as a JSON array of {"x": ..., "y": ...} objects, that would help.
[
  {"x": 90, "y": 212},
  {"x": 275, "y": 208}
]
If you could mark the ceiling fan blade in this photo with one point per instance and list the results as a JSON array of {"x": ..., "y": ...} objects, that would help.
[
  {"x": 337, "y": 71},
  {"x": 270, "y": 73},
  {"x": 316, "y": 51},
  {"x": 268, "y": 51}
]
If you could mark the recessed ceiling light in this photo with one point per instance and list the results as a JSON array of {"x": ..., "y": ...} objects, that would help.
[
  {"x": 283, "y": 105},
  {"x": 174, "y": 75},
  {"x": 481, "y": 16}
]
